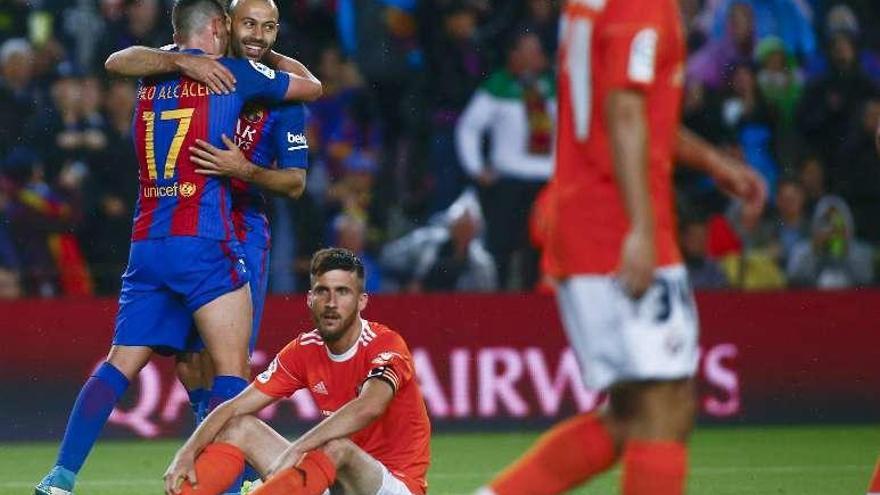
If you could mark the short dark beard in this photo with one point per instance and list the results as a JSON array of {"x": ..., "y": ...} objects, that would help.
[{"x": 334, "y": 337}]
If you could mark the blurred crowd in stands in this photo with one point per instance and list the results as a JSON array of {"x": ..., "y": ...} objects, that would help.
[{"x": 434, "y": 138}]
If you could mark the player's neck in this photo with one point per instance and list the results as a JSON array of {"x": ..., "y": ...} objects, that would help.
[
  {"x": 204, "y": 43},
  {"x": 349, "y": 338}
]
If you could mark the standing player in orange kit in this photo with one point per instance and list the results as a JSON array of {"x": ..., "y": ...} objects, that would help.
[
  {"x": 376, "y": 433},
  {"x": 611, "y": 243}
]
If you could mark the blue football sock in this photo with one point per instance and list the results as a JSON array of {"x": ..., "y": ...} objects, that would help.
[
  {"x": 226, "y": 387},
  {"x": 196, "y": 398},
  {"x": 204, "y": 407},
  {"x": 90, "y": 411}
]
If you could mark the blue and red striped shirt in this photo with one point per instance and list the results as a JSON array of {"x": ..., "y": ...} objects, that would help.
[
  {"x": 173, "y": 111},
  {"x": 269, "y": 136}
]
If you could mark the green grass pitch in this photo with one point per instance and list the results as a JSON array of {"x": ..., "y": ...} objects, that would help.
[{"x": 820, "y": 460}]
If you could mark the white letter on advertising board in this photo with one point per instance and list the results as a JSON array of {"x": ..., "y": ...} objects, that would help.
[
  {"x": 438, "y": 407},
  {"x": 723, "y": 378},
  {"x": 500, "y": 388}
]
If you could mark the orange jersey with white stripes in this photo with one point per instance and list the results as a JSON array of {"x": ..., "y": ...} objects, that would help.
[
  {"x": 608, "y": 45},
  {"x": 400, "y": 438}
]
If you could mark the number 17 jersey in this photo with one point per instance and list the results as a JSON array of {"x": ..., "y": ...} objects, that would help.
[{"x": 171, "y": 113}]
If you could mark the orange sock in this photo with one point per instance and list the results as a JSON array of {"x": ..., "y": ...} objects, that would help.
[
  {"x": 314, "y": 474},
  {"x": 569, "y": 454},
  {"x": 217, "y": 467},
  {"x": 654, "y": 468},
  {"x": 874, "y": 486}
]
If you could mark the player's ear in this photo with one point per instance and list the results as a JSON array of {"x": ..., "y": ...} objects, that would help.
[
  {"x": 362, "y": 301},
  {"x": 310, "y": 299}
]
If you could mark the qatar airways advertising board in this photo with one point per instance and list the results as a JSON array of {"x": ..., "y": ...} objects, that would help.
[{"x": 482, "y": 361}]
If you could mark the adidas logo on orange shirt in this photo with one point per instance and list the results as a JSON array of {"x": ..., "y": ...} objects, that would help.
[{"x": 320, "y": 388}]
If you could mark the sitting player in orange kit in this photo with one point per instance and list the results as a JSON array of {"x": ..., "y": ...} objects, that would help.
[{"x": 375, "y": 437}]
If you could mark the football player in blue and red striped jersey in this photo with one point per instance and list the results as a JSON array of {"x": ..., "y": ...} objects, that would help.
[
  {"x": 269, "y": 152},
  {"x": 186, "y": 265}
]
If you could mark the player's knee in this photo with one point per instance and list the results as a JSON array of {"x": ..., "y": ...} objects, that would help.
[
  {"x": 339, "y": 450},
  {"x": 237, "y": 429},
  {"x": 129, "y": 359},
  {"x": 673, "y": 409}
]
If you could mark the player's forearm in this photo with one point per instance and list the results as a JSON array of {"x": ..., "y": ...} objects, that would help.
[
  {"x": 304, "y": 85},
  {"x": 697, "y": 153},
  {"x": 210, "y": 427},
  {"x": 249, "y": 401},
  {"x": 288, "y": 182},
  {"x": 348, "y": 420},
  {"x": 141, "y": 61},
  {"x": 290, "y": 65},
  {"x": 628, "y": 133}
]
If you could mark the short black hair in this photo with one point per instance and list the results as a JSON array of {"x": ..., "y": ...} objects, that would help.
[
  {"x": 334, "y": 258},
  {"x": 188, "y": 16}
]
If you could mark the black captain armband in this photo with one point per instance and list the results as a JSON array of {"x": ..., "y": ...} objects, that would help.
[{"x": 385, "y": 373}]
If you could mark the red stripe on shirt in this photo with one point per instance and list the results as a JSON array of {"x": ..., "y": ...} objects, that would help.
[
  {"x": 252, "y": 121},
  {"x": 185, "y": 218}
]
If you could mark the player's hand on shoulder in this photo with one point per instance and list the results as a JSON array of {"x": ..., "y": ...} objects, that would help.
[
  {"x": 182, "y": 468},
  {"x": 229, "y": 162},
  {"x": 207, "y": 70},
  {"x": 637, "y": 259}
]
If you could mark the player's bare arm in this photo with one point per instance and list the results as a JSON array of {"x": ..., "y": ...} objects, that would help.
[
  {"x": 231, "y": 162},
  {"x": 628, "y": 133},
  {"x": 374, "y": 398},
  {"x": 142, "y": 61},
  {"x": 182, "y": 466},
  {"x": 733, "y": 176},
  {"x": 304, "y": 86}
]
